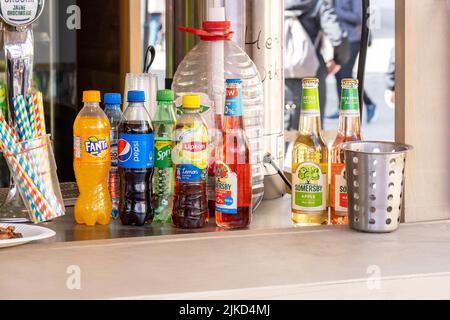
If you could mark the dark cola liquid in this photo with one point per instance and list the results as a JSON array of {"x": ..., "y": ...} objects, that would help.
[
  {"x": 135, "y": 206},
  {"x": 190, "y": 209}
]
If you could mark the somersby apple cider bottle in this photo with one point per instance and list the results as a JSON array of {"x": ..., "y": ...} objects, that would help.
[
  {"x": 349, "y": 130},
  {"x": 310, "y": 163}
]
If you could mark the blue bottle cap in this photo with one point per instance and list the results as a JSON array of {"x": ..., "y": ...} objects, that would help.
[
  {"x": 113, "y": 98},
  {"x": 136, "y": 96}
]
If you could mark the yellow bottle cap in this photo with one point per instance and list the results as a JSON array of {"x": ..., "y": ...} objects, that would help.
[
  {"x": 191, "y": 102},
  {"x": 91, "y": 96}
]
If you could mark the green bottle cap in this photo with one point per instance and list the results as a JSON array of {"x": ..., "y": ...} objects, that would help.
[{"x": 165, "y": 95}]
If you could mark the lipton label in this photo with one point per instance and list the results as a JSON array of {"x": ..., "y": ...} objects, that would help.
[{"x": 190, "y": 154}]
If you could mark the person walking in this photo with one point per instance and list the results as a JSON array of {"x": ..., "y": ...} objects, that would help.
[
  {"x": 319, "y": 20},
  {"x": 155, "y": 10},
  {"x": 350, "y": 15}
]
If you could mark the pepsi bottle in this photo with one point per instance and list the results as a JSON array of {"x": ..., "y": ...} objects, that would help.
[{"x": 136, "y": 162}]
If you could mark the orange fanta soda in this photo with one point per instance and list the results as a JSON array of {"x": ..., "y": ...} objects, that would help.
[{"x": 92, "y": 162}]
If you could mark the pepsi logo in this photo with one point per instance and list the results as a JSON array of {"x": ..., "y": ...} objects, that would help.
[{"x": 124, "y": 150}]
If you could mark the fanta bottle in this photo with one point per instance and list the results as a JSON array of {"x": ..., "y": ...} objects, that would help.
[{"x": 92, "y": 162}]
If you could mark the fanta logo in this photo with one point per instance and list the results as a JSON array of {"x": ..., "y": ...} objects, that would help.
[
  {"x": 96, "y": 147},
  {"x": 232, "y": 93},
  {"x": 124, "y": 150},
  {"x": 194, "y": 146}
]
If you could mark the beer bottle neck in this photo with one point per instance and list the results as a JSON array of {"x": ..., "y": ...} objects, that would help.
[
  {"x": 310, "y": 114},
  {"x": 349, "y": 119}
]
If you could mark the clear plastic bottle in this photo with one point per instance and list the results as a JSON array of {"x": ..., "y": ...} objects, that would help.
[
  {"x": 203, "y": 72},
  {"x": 163, "y": 179},
  {"x": 92, "y": 162},
  {"x": 190, "y": 157},
  {"x": 114, "y": 114}
]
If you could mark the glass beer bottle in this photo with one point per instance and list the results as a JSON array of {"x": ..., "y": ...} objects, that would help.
[
  {"x": 349, "y": 130},
  {"x": 233, "y": 169},
  {"x": 310, "y": 163}
]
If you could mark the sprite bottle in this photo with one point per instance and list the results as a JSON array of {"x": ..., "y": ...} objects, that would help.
[
  {"x": 3, "y": 104},
  {"x": 163, "y": 179}
]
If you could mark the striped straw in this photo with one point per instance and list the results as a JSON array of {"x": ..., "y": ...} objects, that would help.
[
  {"x": 30, "y": 110},
  {"x": 33, "y": 195},
  {"x": 24, "y": 161},
  {"x": 39, "y": 114},
  {"x": 22, "y": 118}
]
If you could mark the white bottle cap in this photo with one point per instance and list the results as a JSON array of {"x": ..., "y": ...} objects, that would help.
[{"x": 216, "y": 14}]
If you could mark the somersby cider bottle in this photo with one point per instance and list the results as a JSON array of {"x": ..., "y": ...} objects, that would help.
[
  {"x": 349, "y": 130},
  {"x": 310, "y": 163}
]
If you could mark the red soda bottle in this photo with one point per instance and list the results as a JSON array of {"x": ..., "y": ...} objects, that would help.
[{"x": 233, "y": 169}]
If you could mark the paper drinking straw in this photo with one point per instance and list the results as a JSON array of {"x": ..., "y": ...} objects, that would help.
[
  {"x": 24, "y": 163},
  {"x": 32, "y": 193},
  {"x": 30, "y": 111},
  {"x": 22, "y": 118},
  {"x": 40, "y": 106}
]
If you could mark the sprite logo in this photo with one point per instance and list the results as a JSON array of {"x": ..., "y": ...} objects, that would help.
[
  {"x": 163, "y": 153},
  {"x": 95, "y": 146}
]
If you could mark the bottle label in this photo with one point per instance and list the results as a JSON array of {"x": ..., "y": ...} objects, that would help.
[
  {"x": 114, "y": 154},
  {"x": 136, "y": 151},
  {"x": 310, "y": 101},
  {"x": 350, "y": 102},
  {"x": 163, "y": 154},
  {"x": 92, "y": 148},
  {"x": 190, "y": 154},
  {"x": 233, "y": 104},
  {"x": 226, "y": 189},
  {"x": 339, "y": 186},
  {"x": 309, "y": 188},
  {"x": 186, "y": 173}
]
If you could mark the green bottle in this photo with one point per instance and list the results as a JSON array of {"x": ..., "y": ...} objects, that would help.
[
  {"x": 163, "y": 180},
  {"x": 3, "y": 104}
]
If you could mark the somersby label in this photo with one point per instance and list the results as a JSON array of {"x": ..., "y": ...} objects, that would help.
[
  {"x": 309, "y": 186},
  {"x": 226, "y": 189}
]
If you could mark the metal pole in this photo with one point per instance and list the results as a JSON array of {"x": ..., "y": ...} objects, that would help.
[{"x": 363, "y": 51}]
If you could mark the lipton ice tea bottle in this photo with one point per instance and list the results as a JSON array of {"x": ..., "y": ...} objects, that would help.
[
  {"x": 233, "y": 170},
  {"x": 310, "y": 163},
  {"x": 92, "y": 162},
  {"x": 349, "y": 130},
  {"x": 190, "y": 158}
]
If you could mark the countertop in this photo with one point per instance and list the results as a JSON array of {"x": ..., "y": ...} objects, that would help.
[{"x": 272, "y": 260}]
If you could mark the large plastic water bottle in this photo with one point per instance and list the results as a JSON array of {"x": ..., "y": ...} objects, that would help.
[{"x": 203, "y": 72}]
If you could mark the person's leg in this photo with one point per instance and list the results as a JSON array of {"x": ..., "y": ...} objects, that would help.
[
  {"x": 293, "y": 97},
  {"x": 347, "y": 70},
  {"x": 322, "y": 74},
  {"x": 155, "y": 25}
]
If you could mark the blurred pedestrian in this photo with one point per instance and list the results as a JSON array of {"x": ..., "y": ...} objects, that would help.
[
  {"x": 319, "y": 19},
  {"x": 390, "y": 81},
  {"x": 155, "y": 10},
  {"x": 351, "y": 17}
]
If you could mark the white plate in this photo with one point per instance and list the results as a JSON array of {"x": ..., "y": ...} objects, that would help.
[{"x": 30, "y": 233}]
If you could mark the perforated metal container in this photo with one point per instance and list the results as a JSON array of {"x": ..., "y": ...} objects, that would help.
[{"x": 375, "y": 173}]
